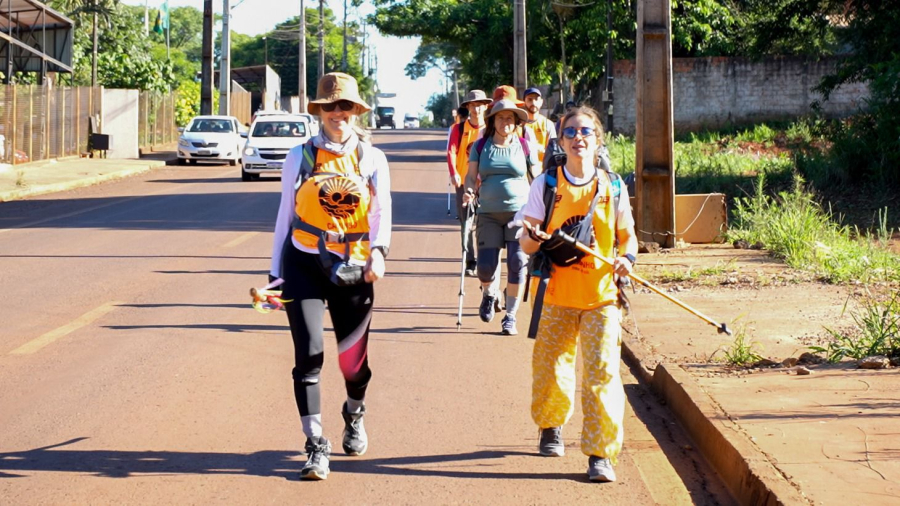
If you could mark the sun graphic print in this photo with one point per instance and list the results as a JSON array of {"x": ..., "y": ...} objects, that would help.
[{"x": 340, "y": 197}]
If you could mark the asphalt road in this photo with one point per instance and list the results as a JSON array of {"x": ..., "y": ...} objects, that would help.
[{"x": 133, "y": 370}]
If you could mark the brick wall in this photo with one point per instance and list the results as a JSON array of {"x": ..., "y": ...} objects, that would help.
[{"x": 714, "y": 92}]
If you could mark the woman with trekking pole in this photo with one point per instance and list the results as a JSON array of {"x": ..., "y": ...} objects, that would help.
[
  {"x": 331, "y": 239},
  {"x": 581, "y": 297},
  {"x": 500, "y": 160}
]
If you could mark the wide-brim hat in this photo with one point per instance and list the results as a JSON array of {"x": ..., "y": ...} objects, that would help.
[
  {"x": 334, "y": 87},
  {"x": 506, "y": 92},
  {"x": 507, "y": 105},
  {"x": 475, "y": 96}
]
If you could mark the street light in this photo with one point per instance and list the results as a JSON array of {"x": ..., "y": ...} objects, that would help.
[{"x": 267, "y": 49}]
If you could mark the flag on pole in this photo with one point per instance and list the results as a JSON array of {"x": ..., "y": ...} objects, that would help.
[
  {"x": 157, "y": 25},
  {"x": 164, "y": 15}
]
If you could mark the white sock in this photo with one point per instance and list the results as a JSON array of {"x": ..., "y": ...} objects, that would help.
[
  {"x": 312, "y": 425},
  {"x": 512, "y": 305},
  {"x": 354, "y": 406}
]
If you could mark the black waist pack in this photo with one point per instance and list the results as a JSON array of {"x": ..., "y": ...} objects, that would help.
[
  {"x": 343, "y": 274},
  {"x": 562, "y": 251},
  {"x": 340, "y": 272}
]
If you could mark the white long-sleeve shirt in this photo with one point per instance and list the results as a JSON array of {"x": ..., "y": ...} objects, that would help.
[{"x": 373, "y": 166}]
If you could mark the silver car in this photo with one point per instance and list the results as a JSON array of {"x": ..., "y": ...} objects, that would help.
[{"x": 210, "y": 138}]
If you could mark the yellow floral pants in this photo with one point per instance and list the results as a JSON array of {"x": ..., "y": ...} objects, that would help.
[{"x": 602, "y": 392}]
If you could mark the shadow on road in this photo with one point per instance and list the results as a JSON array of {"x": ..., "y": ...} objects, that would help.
[
  {"x": 265, "y": 463},
  {"x": 225, "y": 327}
]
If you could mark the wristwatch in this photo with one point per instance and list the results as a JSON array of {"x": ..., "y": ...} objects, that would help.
[
  {"x": 383, "y": 249},
  {"x": 630, "y": 258}
]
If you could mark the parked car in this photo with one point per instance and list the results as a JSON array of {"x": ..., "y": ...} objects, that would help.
[
  {"x": 384, "y": 116},
  {"x": 210, "y": 138},
  {"x": 313, "y": 122},
  {"x": 268, "y": 142},
  {"x": 410, "y": 121}
]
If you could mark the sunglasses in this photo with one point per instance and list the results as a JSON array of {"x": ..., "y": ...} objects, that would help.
[
  {"x": 569, "y": 132},
  {"x": 345, "y": 106}
]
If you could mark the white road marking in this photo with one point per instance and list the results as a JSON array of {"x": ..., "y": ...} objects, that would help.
[{"x": 239, "y": 240}]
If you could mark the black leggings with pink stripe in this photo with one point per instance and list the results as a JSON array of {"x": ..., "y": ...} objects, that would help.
[{"x": 306, "y": 285}]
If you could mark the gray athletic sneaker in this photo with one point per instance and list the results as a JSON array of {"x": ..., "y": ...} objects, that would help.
[
  {"x": 600, "y": 469},
  {"x": 318, "y": 450},
  {"x": 355, "y": 439},
  {"x": 508, "y": 325},
  {"x": 551, "y": 444}
]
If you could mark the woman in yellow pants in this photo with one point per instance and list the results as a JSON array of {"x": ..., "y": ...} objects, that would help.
[{"x": 580, "y": 302}]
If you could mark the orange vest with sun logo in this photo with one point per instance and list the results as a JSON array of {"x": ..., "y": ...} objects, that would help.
[
  {"x": 589, "y": 283},
  {"x": 335, "y": 198},
  {"x": 466, "y": 140}
]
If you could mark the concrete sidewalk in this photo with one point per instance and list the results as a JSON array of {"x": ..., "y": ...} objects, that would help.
[
  {"x": 774, "y": 436},
  {"x": 50, "y": 176}
]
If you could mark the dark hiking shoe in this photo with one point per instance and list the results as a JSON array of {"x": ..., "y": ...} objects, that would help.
[
  {"x": 355, "y": 439},
  {"x": 472, "y": 269},
  {"x": 551, "y": 444},
  {"x": 488, "y": 307},
  {"x": 600, "y": 469},
  {"x": 318, "y": 451},
  {"x": 508, "y": 325}
]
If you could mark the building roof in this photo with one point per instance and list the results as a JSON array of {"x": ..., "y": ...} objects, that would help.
[{"x": 41, "y": 38}]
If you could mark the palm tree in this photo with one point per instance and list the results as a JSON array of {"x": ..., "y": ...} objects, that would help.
[{"x": 96, "y": 9}]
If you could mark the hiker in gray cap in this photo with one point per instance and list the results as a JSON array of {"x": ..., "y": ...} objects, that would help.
[
  {"x": 501, "y": 161},
  {"x": 462, "y": 136}
]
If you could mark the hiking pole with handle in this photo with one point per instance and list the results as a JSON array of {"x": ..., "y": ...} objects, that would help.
[
  {"x": 448, "y": 198},
  {"x": 469, "y": 211},
  {"x": 720, "y": 327}
]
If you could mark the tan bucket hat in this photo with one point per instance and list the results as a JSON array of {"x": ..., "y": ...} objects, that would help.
[
  {"x": 475, "y": 96},
  {"x": 336, "y": 86},
  {"x": 507, "y": 105}
]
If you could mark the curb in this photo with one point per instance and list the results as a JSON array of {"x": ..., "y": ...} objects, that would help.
[
  {"x": 78, "y": 183},
  {"x": 745, "y": 470}
]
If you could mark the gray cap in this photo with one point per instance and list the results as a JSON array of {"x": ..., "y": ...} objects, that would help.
[{"x": 475, "y": 96}]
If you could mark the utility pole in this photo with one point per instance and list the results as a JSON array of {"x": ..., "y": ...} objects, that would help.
[
  {"x": 301, "y": 71},
  {"x": 344, "y": 58},
  {"x": 321, "y": 38},
  {"x": 520, "y": 62},
  {"x": 225, "y": 62},
  {"x": 206, "y": 68},
  {"x": 654, "y": 127},
  {"x": 266, "y": 42}
]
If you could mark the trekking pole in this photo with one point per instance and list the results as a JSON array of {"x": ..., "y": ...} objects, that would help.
[
  {"x": 448, "y": 198},
  {"x": 720, "y": 327},
  {"x": 467, "y": 221}
]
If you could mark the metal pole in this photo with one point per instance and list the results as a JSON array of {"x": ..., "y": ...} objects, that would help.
[
  {"x": 609, "y": 67},
  {"x": 206, "y": 69},
  {"x": 344, "y": 57},
  {"x": 225, "y": 65},
  {"x": 94, "y": 51},
  {"x": 301, "y": 73},
  {"x": 520, "y": 66},
  {"x": 321, "y": 35}
]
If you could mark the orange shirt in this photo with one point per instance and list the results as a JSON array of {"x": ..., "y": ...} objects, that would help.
[
  {"x": 589, "y": 283},
  {"x": 469, "y": 136},
  {"x": 335, "y": 198}
]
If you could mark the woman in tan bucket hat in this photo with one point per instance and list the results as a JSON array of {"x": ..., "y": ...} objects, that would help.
[
  {"x": 331, "y": 239},
  {"x": 498, "y": 167}
]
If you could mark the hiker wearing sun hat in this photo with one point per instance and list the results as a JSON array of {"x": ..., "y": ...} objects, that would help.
[
  {"x": 332, "y": 235},
  {"x": 462, "y": 136},
  {"x": 501, "y": 161},
  {"x": 540, "y": 125}
]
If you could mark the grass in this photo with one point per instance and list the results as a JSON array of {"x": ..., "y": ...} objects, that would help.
[
  {"x": 691, "y": 274},
  {"x": 20, "y": 178},
  {"x": 876, "y": 330},
  {"x": 742, "y": 351},
  {"x": 793, "y": 226}
]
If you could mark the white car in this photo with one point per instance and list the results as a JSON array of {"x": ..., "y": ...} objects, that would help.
[
  {"x": 313, "y": 122},
  {"x": 268, "y": 142},
  {"x": 410, "y": 121},
  {"x": 210, "y": 138}
]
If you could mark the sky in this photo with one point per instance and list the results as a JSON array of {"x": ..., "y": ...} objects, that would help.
[{"x": 256, "y": 17}]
